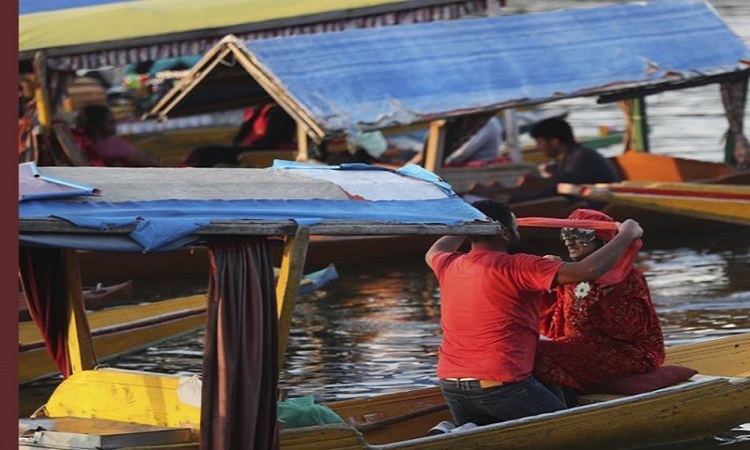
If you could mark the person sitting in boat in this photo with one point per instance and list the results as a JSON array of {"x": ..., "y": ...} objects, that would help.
[
  {"x": 95, "y": 134},
  {"x": 268, "y": 127},
  {"x": 485, "y": 145},
  {"x": 570, "y": 162},
  {"x": 489, "y": 310},
  {"x": 476, "y": 147},
  {"x": 599, "y": 330}
]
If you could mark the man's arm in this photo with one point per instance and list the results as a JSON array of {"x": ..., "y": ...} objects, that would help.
[
  {"x": 602, "y": 260},
  {"x": 444, "y": 244}
]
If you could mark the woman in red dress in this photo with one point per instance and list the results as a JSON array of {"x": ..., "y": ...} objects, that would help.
[{"x": 602, "y": 330}]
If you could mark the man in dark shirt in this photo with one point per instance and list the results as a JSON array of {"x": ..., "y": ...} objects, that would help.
[{"x": 570, "y": 162}]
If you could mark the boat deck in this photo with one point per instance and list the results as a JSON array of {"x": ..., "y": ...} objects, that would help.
[{"x": 76, "y": 432}]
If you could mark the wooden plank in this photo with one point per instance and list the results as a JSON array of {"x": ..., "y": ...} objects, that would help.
[
  {"x": 303, "y": 152},
  {"x": 322, "y": 437},
  {"x": 210, "y": 60},
  {"x": 275, "y": 228},
  {"x": 129, "y": 396},
  {"x": 75, "y": 432},
  {"x": 41, "y": 94},
  {"x": 722, "y": 357},
  {"x": 287, "y": 286},
  {"x": 435, "y": 149},
  {"x": 638, "y": 421},
  {"x": 79, "y": 341}
]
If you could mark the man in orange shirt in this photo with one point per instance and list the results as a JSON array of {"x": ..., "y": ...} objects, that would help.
[{"x": 490, "y": 302}]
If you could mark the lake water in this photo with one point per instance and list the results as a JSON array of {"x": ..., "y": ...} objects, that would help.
[{"x": 376, "y": 329}]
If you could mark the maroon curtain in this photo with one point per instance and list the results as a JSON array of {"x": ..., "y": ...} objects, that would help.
[
  {"x": 240, "y": 363},
  {"x": 42, "y": 273}
]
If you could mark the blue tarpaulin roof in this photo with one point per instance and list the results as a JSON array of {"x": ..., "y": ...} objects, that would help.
[
  {"x": 162, "y": 209},
  {"x": 358, "y": 80}
]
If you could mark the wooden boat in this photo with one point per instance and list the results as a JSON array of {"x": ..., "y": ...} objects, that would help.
[
  {"x": 720, "y": 202},
  {"x": 607, "y": 421},
  {"x": 94, "y": 297},
  {"x": 115, "y": 331},
  {"x": 644, "y": 169},
  {"x": 401, "y": 421},
  {"x": 126, "y": 329}
]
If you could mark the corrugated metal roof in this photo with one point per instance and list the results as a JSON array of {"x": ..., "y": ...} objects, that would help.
[
  {"x": 358, "y": 80},
  {"x": 92, "y": 33}
]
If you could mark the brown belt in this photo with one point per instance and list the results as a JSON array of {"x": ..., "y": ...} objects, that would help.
[{"x": 472, "y": 382}]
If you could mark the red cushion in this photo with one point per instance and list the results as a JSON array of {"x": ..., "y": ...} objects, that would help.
[{"x": 644, "y": 382}]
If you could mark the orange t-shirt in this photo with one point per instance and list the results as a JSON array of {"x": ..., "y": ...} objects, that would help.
[{"x": 490, "y": 312}]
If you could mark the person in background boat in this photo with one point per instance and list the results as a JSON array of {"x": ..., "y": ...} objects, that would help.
[
  {"x": 95, "y": 134},
  {"x": 268, "y": 127},
  {"x": 483, "y": 146},
  {"x": 490, "y": 301},
  {"x": 570, "y": 162},
  {"x": 599, "y": 330}
]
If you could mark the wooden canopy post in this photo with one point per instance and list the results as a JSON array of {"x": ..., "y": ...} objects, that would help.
[
  {"x": 638, "y": 123},
  {"x": 41, "y": 93},
  {"x": 512, "y": 141},
  {"x": 79, "y": 342},
  {"x": 303, "y": 152},
  {"x": 287, "y": 287},
  {"x": 435, "y": 147}
]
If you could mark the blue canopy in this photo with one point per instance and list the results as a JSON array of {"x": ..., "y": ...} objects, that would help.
[
  {"x": 365, "y": 79},
  {"x": 156, "y": 209}
]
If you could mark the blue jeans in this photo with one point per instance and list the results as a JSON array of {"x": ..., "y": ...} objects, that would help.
[{"x": 470, "y": 403}]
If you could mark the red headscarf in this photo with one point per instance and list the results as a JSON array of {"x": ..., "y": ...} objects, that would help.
[{"x": 625, "y": 264}]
